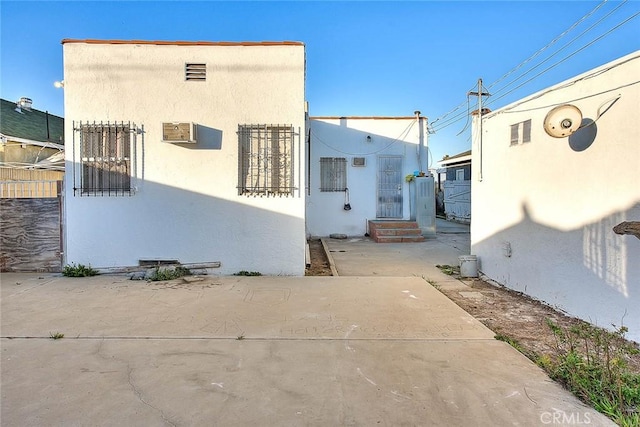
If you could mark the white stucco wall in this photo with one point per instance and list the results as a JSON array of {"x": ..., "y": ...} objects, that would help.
[
  {"x": 347, "y": 137},
  {"x": 186, "y": 205},
  {"x": 554, "y": 201}
]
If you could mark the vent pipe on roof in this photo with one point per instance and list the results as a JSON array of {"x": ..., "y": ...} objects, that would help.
[
  {"x": 23, "y": 103},
  {"x": 422, "y": 165}
]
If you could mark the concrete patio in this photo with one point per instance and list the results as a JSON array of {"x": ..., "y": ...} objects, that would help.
[{"x": 235, "y": 351}]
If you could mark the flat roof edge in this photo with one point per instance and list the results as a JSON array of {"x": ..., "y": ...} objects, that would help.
[
  {"x": 364, "y": 117},
  {"x": 183, "y": 43}
]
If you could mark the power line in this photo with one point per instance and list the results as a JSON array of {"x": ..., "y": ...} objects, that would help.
[
  {"x": 567, "y": 57},
  {"x": 402, "y": 135},
  {"x": 514, "y": 69},
  {"x": 452, "y": 111},
  {"x": 559, "y": 50},
  {"x": 568, "y": 30},
  {"x": 458, "y": 117}
]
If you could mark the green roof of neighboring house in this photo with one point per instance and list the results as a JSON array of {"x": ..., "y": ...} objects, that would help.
[{"x": 30, "y": 124}]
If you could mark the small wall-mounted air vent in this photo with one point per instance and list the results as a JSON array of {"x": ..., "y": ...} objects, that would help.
[
  {"x": 358, "y": 161},
  {"x": 179, "y": 132},
  {"x": 195, "y": 72}
]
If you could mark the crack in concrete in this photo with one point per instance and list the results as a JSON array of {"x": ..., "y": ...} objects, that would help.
[
  {"x": 138, "y": 394},
  {"x": 135, "y": 389},
  {"x": 529, "y": 397}
]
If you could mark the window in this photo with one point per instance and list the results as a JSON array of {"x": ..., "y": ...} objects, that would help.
[
  {"x": 514, "y": 134},
  {"x": 526, "y": 131},
  {"x": 105, "y": 159},
  {"x": 459, "y": 174},
  {"x": 333, "y": 174},
  {"x": 521, "y": 132},
  {"x": 265, "y": 156}
]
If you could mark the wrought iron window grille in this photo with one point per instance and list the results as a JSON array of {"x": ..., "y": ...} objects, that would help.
[
  {"x": 333, "y": 174},
  {"x": 105, "y": 162},
  {"x": 265, "y": 156}
]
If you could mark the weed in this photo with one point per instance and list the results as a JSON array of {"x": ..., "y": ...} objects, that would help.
[
  {"x": 240, "y": 337},
  {"x": 78, "y": 271},
  {"x": 433, "y": 283},
  {"x": 593, "y": 364},
  {"x": 450, "y": 270},
  {"x": 56, "y": 336},
  {"x": 248, "y": 273},
  {"x": 430, "y": 281},
  {"x": 512, "y": 342},
  {"x": 162, "y": 274}
]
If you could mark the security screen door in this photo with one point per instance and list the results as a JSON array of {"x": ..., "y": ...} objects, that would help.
[{"x": 389, "y": 187}]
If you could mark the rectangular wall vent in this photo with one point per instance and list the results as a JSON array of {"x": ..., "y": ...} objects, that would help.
[
  {"x": 184, "y": 132},
  {"x": 196, "y": 72},
  {"x": 358, "y": 161}
]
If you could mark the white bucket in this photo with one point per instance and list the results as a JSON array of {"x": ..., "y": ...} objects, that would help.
[{"x": 468, "y": 265}]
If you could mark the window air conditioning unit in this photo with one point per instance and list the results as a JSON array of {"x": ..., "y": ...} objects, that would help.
[
  {"x": 358, "y": 161},
  {"x": 184, "y": 133}
]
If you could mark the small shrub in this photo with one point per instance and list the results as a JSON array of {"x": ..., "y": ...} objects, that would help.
[
  {"x": 78, "y": 271},
  {"x": 162, "y": 274},
  {"x": 248, "y": 273},
  {"x": 56, "y": 336},
  {"x": 593, "y": 364},
  {"x": 450, "y": 270}
]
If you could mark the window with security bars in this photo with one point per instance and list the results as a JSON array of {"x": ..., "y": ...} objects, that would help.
[
  {"x": 333, "y": 174},
  {"x": 265, "y": 155},
  {"x": 105, "y": 159}
]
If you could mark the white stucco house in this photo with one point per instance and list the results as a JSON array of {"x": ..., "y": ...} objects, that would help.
[
  {"x": 186, "y": 151},
  {"x": 370, "y": 158},
  {"x": 544, "y": 207}
]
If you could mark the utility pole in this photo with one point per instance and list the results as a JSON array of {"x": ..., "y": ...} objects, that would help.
[{"x": 480, "y": 94}]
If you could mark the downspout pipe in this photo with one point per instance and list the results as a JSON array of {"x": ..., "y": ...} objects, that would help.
[{"x": 421, "y": 150}]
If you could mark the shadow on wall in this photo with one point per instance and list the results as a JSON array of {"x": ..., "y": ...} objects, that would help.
[
  {"x": 590, "y": 272},
  {"x": 163, "y": 222},
  {"x": 584, "y": 136},
  {"x": 208, "y": 139}
]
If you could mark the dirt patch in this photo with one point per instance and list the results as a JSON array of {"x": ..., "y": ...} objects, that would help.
[
  {"x": 319, "y": 262},
  {"x": 515, "y": 315}
]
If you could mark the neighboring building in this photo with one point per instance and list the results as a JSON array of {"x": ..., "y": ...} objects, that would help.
[
  {"x": 457, "y": 187},
  {"x": 31, "y": 173},
  {"x": 30, "y": 145},
  {"x": 185, "y": 151},
  {"x": 369, "y": 156},
  {"x": 543, "y": 215}
]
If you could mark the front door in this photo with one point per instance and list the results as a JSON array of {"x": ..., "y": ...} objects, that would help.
[{"x": 389, "y": 187}]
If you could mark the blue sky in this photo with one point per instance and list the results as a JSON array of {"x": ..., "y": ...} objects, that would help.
[{"x": 363, "y": 58}]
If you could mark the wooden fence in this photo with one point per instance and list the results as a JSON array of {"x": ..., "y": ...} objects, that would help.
[
  {"x": 457, "y": 200},
  {"x": 30, "y": 227},
  {"x": 29, "y": 189}
]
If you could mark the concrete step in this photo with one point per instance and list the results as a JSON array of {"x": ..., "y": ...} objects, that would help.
[
  {"x": 398, "y": 232},
  {"x": 398, "y": 239},
  {"x": 377, "y": 224},
  {"x": 395, "y": 231}
]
